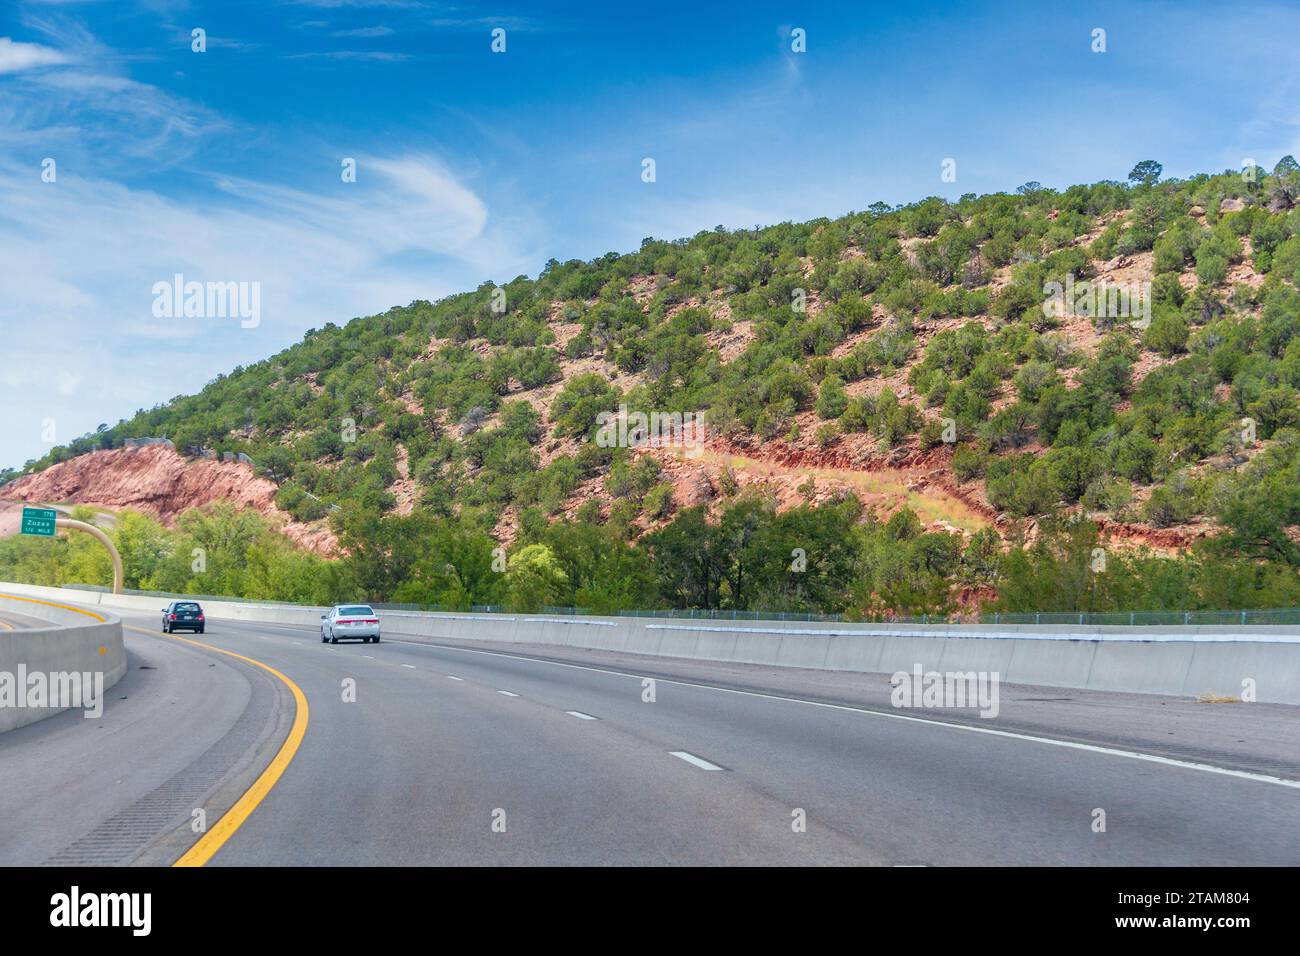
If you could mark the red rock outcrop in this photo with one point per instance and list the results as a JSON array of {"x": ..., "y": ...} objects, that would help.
[{"x": 160, "y": 482}]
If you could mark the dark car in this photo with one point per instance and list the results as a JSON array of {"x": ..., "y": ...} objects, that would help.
[{"x": 182, "y": 616}]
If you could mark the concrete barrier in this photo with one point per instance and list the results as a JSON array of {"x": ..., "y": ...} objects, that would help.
[
  {"x": 1182, "y": 661},
  {"x": 79, "y": 652}
]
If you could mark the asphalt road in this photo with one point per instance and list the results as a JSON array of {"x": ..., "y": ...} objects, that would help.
[{"x": 438, "y": 754}]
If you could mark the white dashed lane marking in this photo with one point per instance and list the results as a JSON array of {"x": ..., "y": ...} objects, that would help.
[
  {"x": 580, "y": 715},
  {"x": 506, "y": 693},
  {"x": 694, "y": 760}
]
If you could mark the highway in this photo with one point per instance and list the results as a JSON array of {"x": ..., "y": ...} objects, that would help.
[{"x": 410, "y": 753}]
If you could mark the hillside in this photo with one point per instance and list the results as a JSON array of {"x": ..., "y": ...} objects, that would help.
[{"x": 904, "y": 355}]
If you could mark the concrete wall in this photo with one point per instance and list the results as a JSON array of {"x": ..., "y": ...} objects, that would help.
[
  {"x": 1182, "y": 661},
  {"x": 72, "y": 642}
]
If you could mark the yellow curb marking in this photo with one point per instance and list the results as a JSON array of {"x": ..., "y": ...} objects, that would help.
[{"x": 234, "y": 818}]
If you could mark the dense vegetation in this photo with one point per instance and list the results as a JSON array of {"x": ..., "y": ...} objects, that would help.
[
  {"x": 830, "y": 558},
  {"x": 1193, "y": 417}
]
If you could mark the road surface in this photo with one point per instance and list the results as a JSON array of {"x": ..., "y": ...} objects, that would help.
[
  {"x": 12, "y": 621},
  {"x": 417, "y": 753}
]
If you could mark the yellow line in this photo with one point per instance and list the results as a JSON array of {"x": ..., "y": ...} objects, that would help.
[
  {"x": 234, "y": 818},
  {"x": 6, "y": 625},
  {"x": 66, "y": 607}
]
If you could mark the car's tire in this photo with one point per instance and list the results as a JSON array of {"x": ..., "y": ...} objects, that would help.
[
  {"x": 200, "y": 630},
  {"x": 376, "y": 638},
  {"x": 322, "y": 636},
  {"x": 167, "y": 629},
  {"x": 334, "y": 638}
]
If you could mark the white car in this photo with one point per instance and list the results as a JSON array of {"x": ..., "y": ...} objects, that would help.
[{"x": 348, "y": 621}]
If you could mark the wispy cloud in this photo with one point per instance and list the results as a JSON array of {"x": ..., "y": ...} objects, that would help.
[
  {"x": 27, "y": 56},
  {"x": 364, "y": 32},
  {"x": 86, "y": 104},
  {"x": 378, "y": 56},
  {"x": 113, "y": 116},
  {"x": 360, "y": 4}
]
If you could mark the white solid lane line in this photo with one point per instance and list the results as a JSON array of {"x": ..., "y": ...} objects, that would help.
[
  {"x": 692, "y": 759},
  {"x": 506, "y": 693},
  {"x": 580, "y": 715}
]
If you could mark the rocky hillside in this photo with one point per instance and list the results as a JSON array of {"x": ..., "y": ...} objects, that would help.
[
  {"x": 159, "y": 482},
  {"x": 914, "y": 355}
]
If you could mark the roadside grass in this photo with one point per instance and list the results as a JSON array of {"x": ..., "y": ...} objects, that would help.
[{"x": 1216, "y": 699}]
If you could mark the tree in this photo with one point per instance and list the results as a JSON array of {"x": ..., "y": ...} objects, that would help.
[
  {"x": 535, "y": 578},
  {"x": 580, "y": 401},
  {"x": 832, "y": 400},
  {"x": 1284, "y": 191},
  {"x": 685, "y": 557},
  {"x": 1286, "y": 166},
  {"x": 1145, "y": 173},
  {"x": 456, "y": 567},
  {"x": 602, "y": 572},
  {"x": 1167, "y": 334}
]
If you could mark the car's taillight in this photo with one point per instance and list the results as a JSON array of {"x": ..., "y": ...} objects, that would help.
[
  {"x": 171, "y": 617},
  {"x": 200, "y": 617},
  {"x": 372, "y": 620}
]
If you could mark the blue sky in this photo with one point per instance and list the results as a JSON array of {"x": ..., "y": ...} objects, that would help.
[{"x": 473, "y": 166}]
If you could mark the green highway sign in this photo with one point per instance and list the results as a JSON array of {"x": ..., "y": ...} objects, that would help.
[{"x": 39, "y": 521}]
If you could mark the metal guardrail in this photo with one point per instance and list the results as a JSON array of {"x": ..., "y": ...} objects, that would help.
[
  {"x": 1177, "y": 618},
  {"x": 711, "y": 614},
  {"x": 1154, "y": 618}
]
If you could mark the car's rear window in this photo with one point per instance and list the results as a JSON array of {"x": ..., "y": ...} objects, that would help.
[
  {"x": 355, "y": 610},
  {"x": 187, "y": 607}
]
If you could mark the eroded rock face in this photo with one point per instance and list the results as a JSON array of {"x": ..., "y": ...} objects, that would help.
[
  {"x": 695, "y": 489},
  {"x": 160, "y": 482}
]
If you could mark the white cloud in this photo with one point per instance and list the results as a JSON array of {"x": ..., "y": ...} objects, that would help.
[
  {"x": 27, "y": 56},
  {"x": 79, "y": 257}
]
